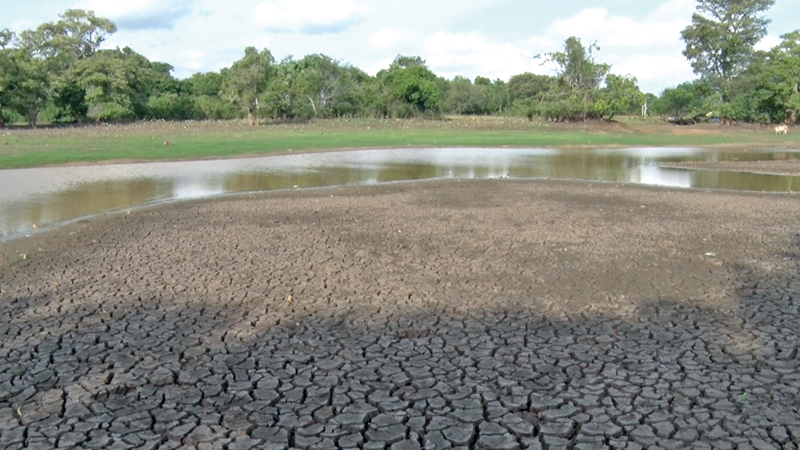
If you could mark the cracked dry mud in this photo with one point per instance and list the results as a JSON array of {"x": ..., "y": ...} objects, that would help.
[{"x": 483, "y": 314}]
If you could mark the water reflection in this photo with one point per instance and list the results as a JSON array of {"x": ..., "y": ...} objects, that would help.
[{"x": 47, "y": 196}]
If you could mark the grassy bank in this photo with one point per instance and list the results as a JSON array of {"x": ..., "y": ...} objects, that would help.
[{"x": 149, "y": 141}]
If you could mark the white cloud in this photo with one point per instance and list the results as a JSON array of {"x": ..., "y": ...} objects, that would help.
[
  {"x": 307, "y": 16},
  {"x": 619, "y": 31},
  {"x": 648, "y": 47},
  {"x": 194, "y": 60},
  {"x": 471, "y": 54},
  {"x": 380, "y": 65},
  {"x": 140, "y": 14},
  {"x": 655, "y": 72},
  {"x": 389, "y": 37},
  {"x": 768, "y": 43},
  {"x": 20, "y": 25}
]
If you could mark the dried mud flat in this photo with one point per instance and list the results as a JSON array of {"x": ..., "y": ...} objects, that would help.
[{"x": 484, "y": 314}]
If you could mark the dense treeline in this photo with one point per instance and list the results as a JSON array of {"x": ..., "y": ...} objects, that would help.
[
  {"x": 736, "y": 82},
  {"x": 58, "y": 73}
]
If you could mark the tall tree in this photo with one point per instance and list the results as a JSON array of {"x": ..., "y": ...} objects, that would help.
[
  {"x": 77, "y": 35},
  {"x": 247, "y": 80},
  {"x": 621, "y": 95},
  {"x": 6, "y": 37},
  {"x": 25, "y": 83},
  {"x": 720, "y": 40},
  {"x": 579, "y": 78},
  {"x": 577, "y": 69},
  {"x": 769, "y": 90},
  {"x": 463, "y": 97},
  {"x": 59, "y": 46},
  {"x": 410, "y": 88},
  {"x": 679, "y": 101},
  {"x": 529, "y": 86},
  {"x": 116, "y": 84}
]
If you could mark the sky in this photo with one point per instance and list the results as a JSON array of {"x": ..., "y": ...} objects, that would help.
[{"x": 491, "y": 38}]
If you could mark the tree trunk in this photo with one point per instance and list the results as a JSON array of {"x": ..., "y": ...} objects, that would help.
[
  {"x": 32, "y": 116},
  {"x": 251, "y": 119},
  {"x": 314, "y": 107}
]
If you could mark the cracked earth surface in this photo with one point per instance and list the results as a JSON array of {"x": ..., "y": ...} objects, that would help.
[{"x": 484, "y": 314}]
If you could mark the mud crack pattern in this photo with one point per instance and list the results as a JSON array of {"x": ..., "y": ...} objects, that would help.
[{"x": 492, "y": 314}]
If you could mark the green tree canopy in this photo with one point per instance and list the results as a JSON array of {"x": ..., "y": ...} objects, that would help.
[
  {"x": 577, "y": 69},
  {"x": 529, "y": 85},
  {"x": 576, "y": 93},
  {"x": 680, "y": 100},
  {"x": 247, "y": 80},
  {"x": 6, "y": 37},
  {"x": 24, "y": 81},
  {"x": 115, "y": 82},
  {"x": 720, "y": 40},
  {"x": 621, "y": 95},
  {"x": 59, "y": 46},
  {"x": 410, "y": 88},
  {"x": 77, "y": 35},
  {"x": 768, "y": 90},
  {"x": 463, "y": 97}
]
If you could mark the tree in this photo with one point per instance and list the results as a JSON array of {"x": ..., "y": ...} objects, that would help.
[
  {"x": 578, "y": 70},
  {"x": 59, "y": 46},
  {"x": 529, "y": 86},
  {"x": 404, "y": 62},
  {"x": 24, "y": 83},
  {"x": 247, "y": 80},
  {"x": 527, "y": 90},
  {"x": 77, "y": 35},
  {"x": 679, "y": 101},
  {"x": 720, "y": 40},
  {"x": 768, "y": 90},
  {"x": 116, "y": 84},
  {"x": 315, "y": 81},
  {"x": 498, "y": 96},
  {"x": 578, "y": 82},
  {"x": 208, "y": 83},
  {"x": 205, "y": 91},
  {"x": 409, "y": 88},
  {"x": 6, "y": 37},
  {"x": 463, "y": 97},
  {"x": 621, "y": 95}
]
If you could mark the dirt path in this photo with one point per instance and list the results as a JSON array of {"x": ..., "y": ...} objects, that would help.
[{"x": 482, "y": 314}]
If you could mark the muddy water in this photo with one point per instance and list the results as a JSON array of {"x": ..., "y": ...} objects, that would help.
[{"x": 36, "y": 198}]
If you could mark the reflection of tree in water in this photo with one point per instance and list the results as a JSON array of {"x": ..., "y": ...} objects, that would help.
[
  {"x": 756, "y": 156},
  {"x": 716, "y": 179},
  {"x": 271, "y": 181},
  {"x": 402, "y": 172},
  {"x": 119, "y": 193},
  {"x": 83, "y": 200},
  {"x": 577, "y": 165}
]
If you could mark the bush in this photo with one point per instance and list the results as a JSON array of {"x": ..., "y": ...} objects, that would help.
[
  {"x": 171, "y": 107},
  {"x": 110, "y": 112},
  {"x": 214, "y": 108}
]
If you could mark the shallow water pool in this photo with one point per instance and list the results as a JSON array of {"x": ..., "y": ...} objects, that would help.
[{"x": 41, "y": 197}]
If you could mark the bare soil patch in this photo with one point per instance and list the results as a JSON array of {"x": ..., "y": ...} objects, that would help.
[
  {"x": 482, "y": 314},
  {"x": 560, "y": 247}
]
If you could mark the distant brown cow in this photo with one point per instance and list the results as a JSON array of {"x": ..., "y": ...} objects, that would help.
[{"x": 782, "y": 129}]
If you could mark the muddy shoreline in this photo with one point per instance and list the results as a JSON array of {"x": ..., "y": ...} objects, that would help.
[{"x": 444, "y": 314}]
